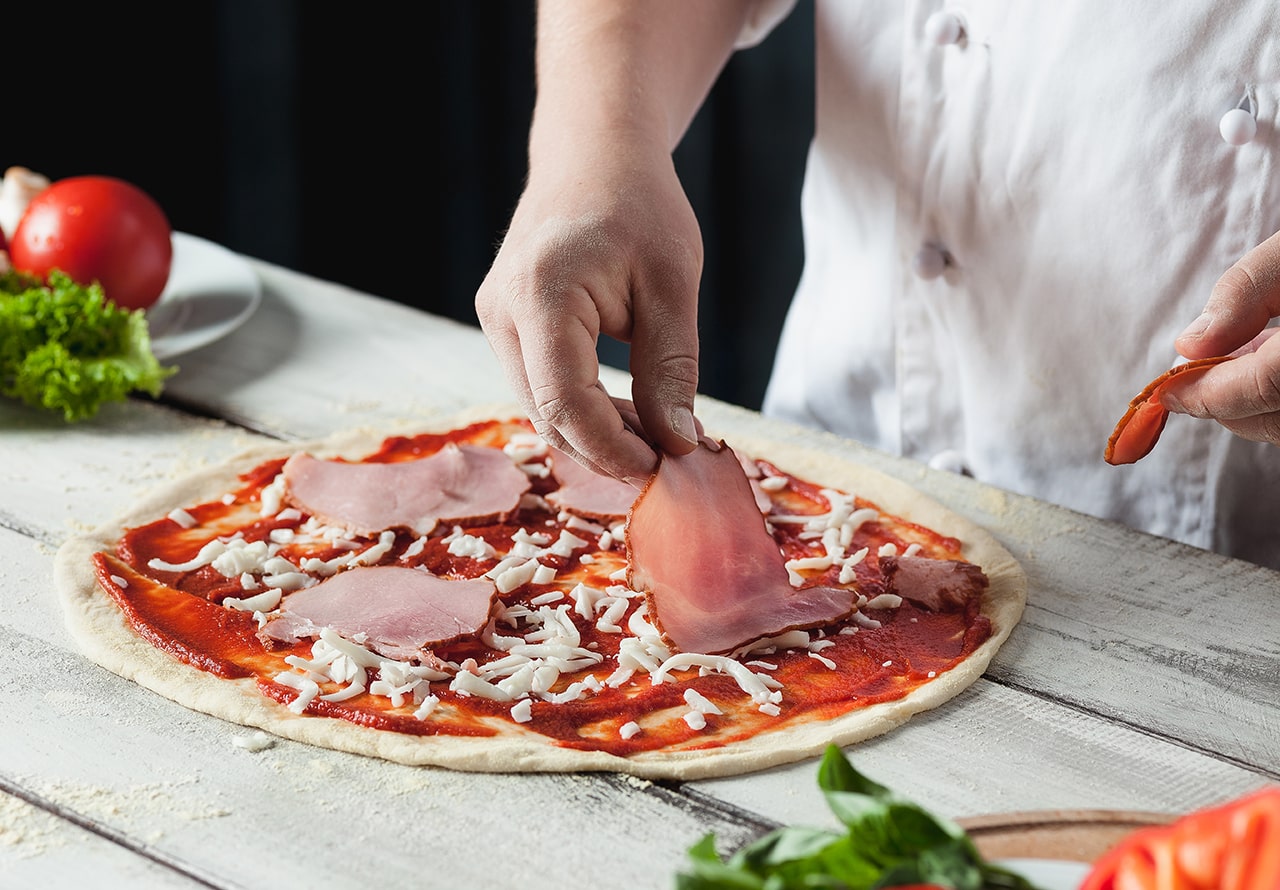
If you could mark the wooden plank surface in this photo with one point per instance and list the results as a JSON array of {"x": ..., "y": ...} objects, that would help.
[
  {"x": 41, "y": 849},
  {"x": 1142, "y": 676},
  {"x": 58, "y": 478}
]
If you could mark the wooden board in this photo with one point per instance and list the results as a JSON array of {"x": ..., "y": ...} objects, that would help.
[{"x": 1068, "y": 835}]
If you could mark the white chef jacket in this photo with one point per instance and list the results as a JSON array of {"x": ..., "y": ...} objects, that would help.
[{"x": 1004, "y": 234}]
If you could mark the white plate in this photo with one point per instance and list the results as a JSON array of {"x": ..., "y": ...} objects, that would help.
[
  {"x": 211, "y": 292},
  {"x": 1048, "y": 874}
]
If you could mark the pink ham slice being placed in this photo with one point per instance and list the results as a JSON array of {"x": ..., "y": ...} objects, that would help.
[
  {"x": 454, "y": 484},
  {"x": 395, "y": 611},
  {"x": 713, "y": 576},
  {"x": 585, "y": 492}
]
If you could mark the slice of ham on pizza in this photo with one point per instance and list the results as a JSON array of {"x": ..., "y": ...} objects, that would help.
[
  {"x": 717, "y": 581},
  {"x": 715, "y": 578},
  {"x": 587, "y": 493},
  {"x": 459, "y": 482},
  {"x": 394, "y": 611},
  {"x": 935, "y": 584}
]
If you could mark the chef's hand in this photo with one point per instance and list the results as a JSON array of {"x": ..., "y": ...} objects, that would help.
[
  {"x": 1243, "y": 394},
  {"x": 603, "y": 243}
]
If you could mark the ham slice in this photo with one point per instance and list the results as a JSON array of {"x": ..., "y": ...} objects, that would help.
[
  {"x": 395, "y": 611},
  {"x": 457, "y": 483},
  {"x": 713, "y": 576},
  {"x": 585, "y": 492},
  {"x": 938, "y": 585}
]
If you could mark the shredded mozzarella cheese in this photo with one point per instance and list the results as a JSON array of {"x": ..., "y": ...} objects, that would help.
[
  {"x": 307, "y": 690},
  {"x": 183, "y": 518},
  {"x": 696, "y": 720},
  {"x": 266, "y": 601},
  {"x": 429, "y": 704},
  {"x": 273, "y": 496},
  {"x": 699, "y": 702}
]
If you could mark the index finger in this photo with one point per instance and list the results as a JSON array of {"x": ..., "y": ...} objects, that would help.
[{"x": 571, "y": 404}]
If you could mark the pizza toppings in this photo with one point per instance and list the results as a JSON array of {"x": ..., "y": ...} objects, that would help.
[
  {"x": 587, "y": 493},
  {"x": 394, "y": 611},
  {"x": 715, "y": 577},
  {"x": 534, "y": 616},
  {"x": 458, "y": 482},
  {"x": 936, "y": 584}
]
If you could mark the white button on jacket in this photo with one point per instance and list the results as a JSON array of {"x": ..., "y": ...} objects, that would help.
[
  {"x": 1238, "y": 127},
  {"x": 1068, "y": 153},
  {"x": 944, "y": 27},
  {"x": 929, "y": 262}
]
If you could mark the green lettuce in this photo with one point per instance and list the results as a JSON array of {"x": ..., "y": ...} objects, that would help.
[
  {"x": 66, "y": 348},
  {"x": 888, "y": 842}
]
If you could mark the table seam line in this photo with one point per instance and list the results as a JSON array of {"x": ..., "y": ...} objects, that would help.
[
  {"x": 109, "y": 834},
  {"x": 1269, "y": 773}
]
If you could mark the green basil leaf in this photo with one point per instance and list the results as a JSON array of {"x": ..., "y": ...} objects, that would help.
[
  {"x": 710, "y": 872},
  {"x": 786, "y": 845},
  {"x": 888, "y": 842},
  {"x": 836, "y": 773}
]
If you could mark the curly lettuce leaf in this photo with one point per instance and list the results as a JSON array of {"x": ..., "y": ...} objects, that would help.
[
  {"x": 888, "y": 842},
  {"x": 66, "y": 348}
]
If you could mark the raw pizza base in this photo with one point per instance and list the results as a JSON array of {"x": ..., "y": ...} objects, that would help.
[{"x": 102, "y": 634}]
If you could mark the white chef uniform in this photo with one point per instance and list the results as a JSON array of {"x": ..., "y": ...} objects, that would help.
[{"x": 1010, "y": 211}]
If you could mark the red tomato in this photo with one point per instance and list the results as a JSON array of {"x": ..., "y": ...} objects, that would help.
[
  {"x": 97, "y": 228},
  {"x": 1235, "y": 846}
]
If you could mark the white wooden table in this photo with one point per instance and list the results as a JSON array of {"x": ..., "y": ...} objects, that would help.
[{"x": 1145, "y": 675}]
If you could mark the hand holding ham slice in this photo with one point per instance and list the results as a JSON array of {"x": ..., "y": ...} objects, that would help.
[{"x": 714, "y": 577}]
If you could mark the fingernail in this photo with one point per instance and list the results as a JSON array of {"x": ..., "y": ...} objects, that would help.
[
  {"x": 683, "y": 426},
  {"x": 1172, "y": 403},
  {"x": 1197, "y": 327}
]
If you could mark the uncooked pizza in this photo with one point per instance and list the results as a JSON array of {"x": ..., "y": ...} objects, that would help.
[{"x": 469, "y": 597}]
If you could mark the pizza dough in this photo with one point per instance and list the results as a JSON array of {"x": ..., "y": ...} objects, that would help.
[{"x": 103, "y": 635}]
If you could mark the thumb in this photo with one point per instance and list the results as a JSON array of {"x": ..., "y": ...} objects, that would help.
[
  {"x": 1241, "y": 303},
  {"x": 664, "y": 370}
]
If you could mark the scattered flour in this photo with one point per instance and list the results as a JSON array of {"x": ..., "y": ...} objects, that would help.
[{"x": 26, "y": 831}]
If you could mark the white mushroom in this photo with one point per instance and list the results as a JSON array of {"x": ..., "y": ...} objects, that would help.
[{"x": 17, "y": 189}]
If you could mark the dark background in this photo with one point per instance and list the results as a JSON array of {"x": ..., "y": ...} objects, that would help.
[{"x": 382, "y": 145}]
